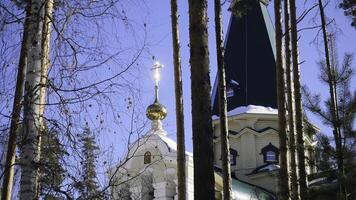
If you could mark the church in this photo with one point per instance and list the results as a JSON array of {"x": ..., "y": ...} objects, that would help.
[{"x": 150, "y": 170}]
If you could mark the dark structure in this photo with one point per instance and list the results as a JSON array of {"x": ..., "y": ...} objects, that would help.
[{"x": 249, "y": 60}]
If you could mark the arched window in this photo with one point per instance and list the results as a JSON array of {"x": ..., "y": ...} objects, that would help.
[
  {"x": 147, "y": 158},
  {"x": 270, "y": 153}
]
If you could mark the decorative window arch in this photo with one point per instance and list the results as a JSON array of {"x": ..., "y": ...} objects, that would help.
[
  {"x": 147, "y": 158},
  {"x": 270, "y": 153}
]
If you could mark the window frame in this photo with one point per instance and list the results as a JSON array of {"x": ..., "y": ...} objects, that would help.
[
  {"x": 147, "y": 157},
  {"x": 270, "y": 148}
]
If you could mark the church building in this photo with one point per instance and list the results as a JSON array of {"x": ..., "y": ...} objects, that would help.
[{"x": 149, "y": 171}]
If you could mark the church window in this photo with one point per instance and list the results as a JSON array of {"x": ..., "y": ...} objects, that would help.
[
  {"x": 147, "y": 158},
  {"x": 270, "y": 153}
]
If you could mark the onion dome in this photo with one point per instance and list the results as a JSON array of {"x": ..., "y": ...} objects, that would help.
[{"x": 156, "y": 111}]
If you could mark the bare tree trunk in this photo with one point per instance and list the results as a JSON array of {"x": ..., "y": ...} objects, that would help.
[
  {"x": 45, "y": 64},
  {"x": 333, "y": 102},
  {"x": 16, "y": 109},
  {"x": 224, "y": 137},
  {"x": 283, "y": 189},
  {"x": 201, "y": 104},
  {"x": 293, "y": 167},
  {"x": 179, "y": 103},
  {"x": 29, "y": 151},
  {"x": 298, "y": 103}
]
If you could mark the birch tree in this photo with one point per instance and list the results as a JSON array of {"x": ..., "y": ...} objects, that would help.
[
  {"x": 200, "y": 94},
  {"x": 16, "y": 111},
  {"x": 68, "y": 92},
  {"x": 30, "y": 138},
  {"x": 181, "y": 174}
]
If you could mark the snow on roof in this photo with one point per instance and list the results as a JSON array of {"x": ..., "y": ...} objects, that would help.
[
  {"x": 172, "y": 144},
  {"x": 250, "y": 109},
  {"x": 270, "y": 167}
]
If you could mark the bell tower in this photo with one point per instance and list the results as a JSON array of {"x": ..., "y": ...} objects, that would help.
[{"x": 249, "y": 59}]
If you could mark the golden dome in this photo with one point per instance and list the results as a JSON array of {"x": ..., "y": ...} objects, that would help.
[{"x": 156, "y": 111}]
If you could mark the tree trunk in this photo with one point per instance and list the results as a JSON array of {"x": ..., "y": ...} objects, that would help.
[
  {"x": 16, "y": 109},
  {"x": 224, "y": 138},
  {"x": 29, "y": 151},
  {"x": 333, "y": 105},
  {"x": 293, "y": 167},
  {"x": 179, "y": 103},
  {"x": 283, "y": 190},
  {"x": 298, "y": 103},
  {"x": 45, "y": 63},
  {"x": 201, "y": 104}
]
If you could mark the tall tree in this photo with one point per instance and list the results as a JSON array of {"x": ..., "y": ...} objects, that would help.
[
  {"x": 283, "y": 189},
  {"x": 346, "y": 111},
  {"x": 294, "y": 193},
  {"x": 16, "y": 110},
  {"x": 298, "y": 103},
  {"x": 333, "y": 101},
  {"x": 30, "y": 141},
  {"x": 88, "y": 187},
  {"x": 179, "y": 103},
  {"x": 200, "y": 94},
  {"x": 224, "y": 137},
  {"x": 45, "y": 62}
]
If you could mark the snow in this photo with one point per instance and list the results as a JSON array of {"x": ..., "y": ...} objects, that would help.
[
  {"x": 250, "y": 109},
  {"x": 271, "y": 167},
  {"x": 234, "y": 82},
  {"x": 172, "y": 144}
]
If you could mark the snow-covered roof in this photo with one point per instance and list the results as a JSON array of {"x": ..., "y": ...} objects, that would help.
[
  {"x": 269, "y": 167},
  {"x": 250, "y": 109},
  {"x": 172, "y": 144}
]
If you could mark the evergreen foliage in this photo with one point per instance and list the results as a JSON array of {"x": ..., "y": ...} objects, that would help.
[
  {"x": 326, "y": 153},
  {"x": 88, "y": 186},
  {"x": 52, "y": 173}
]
